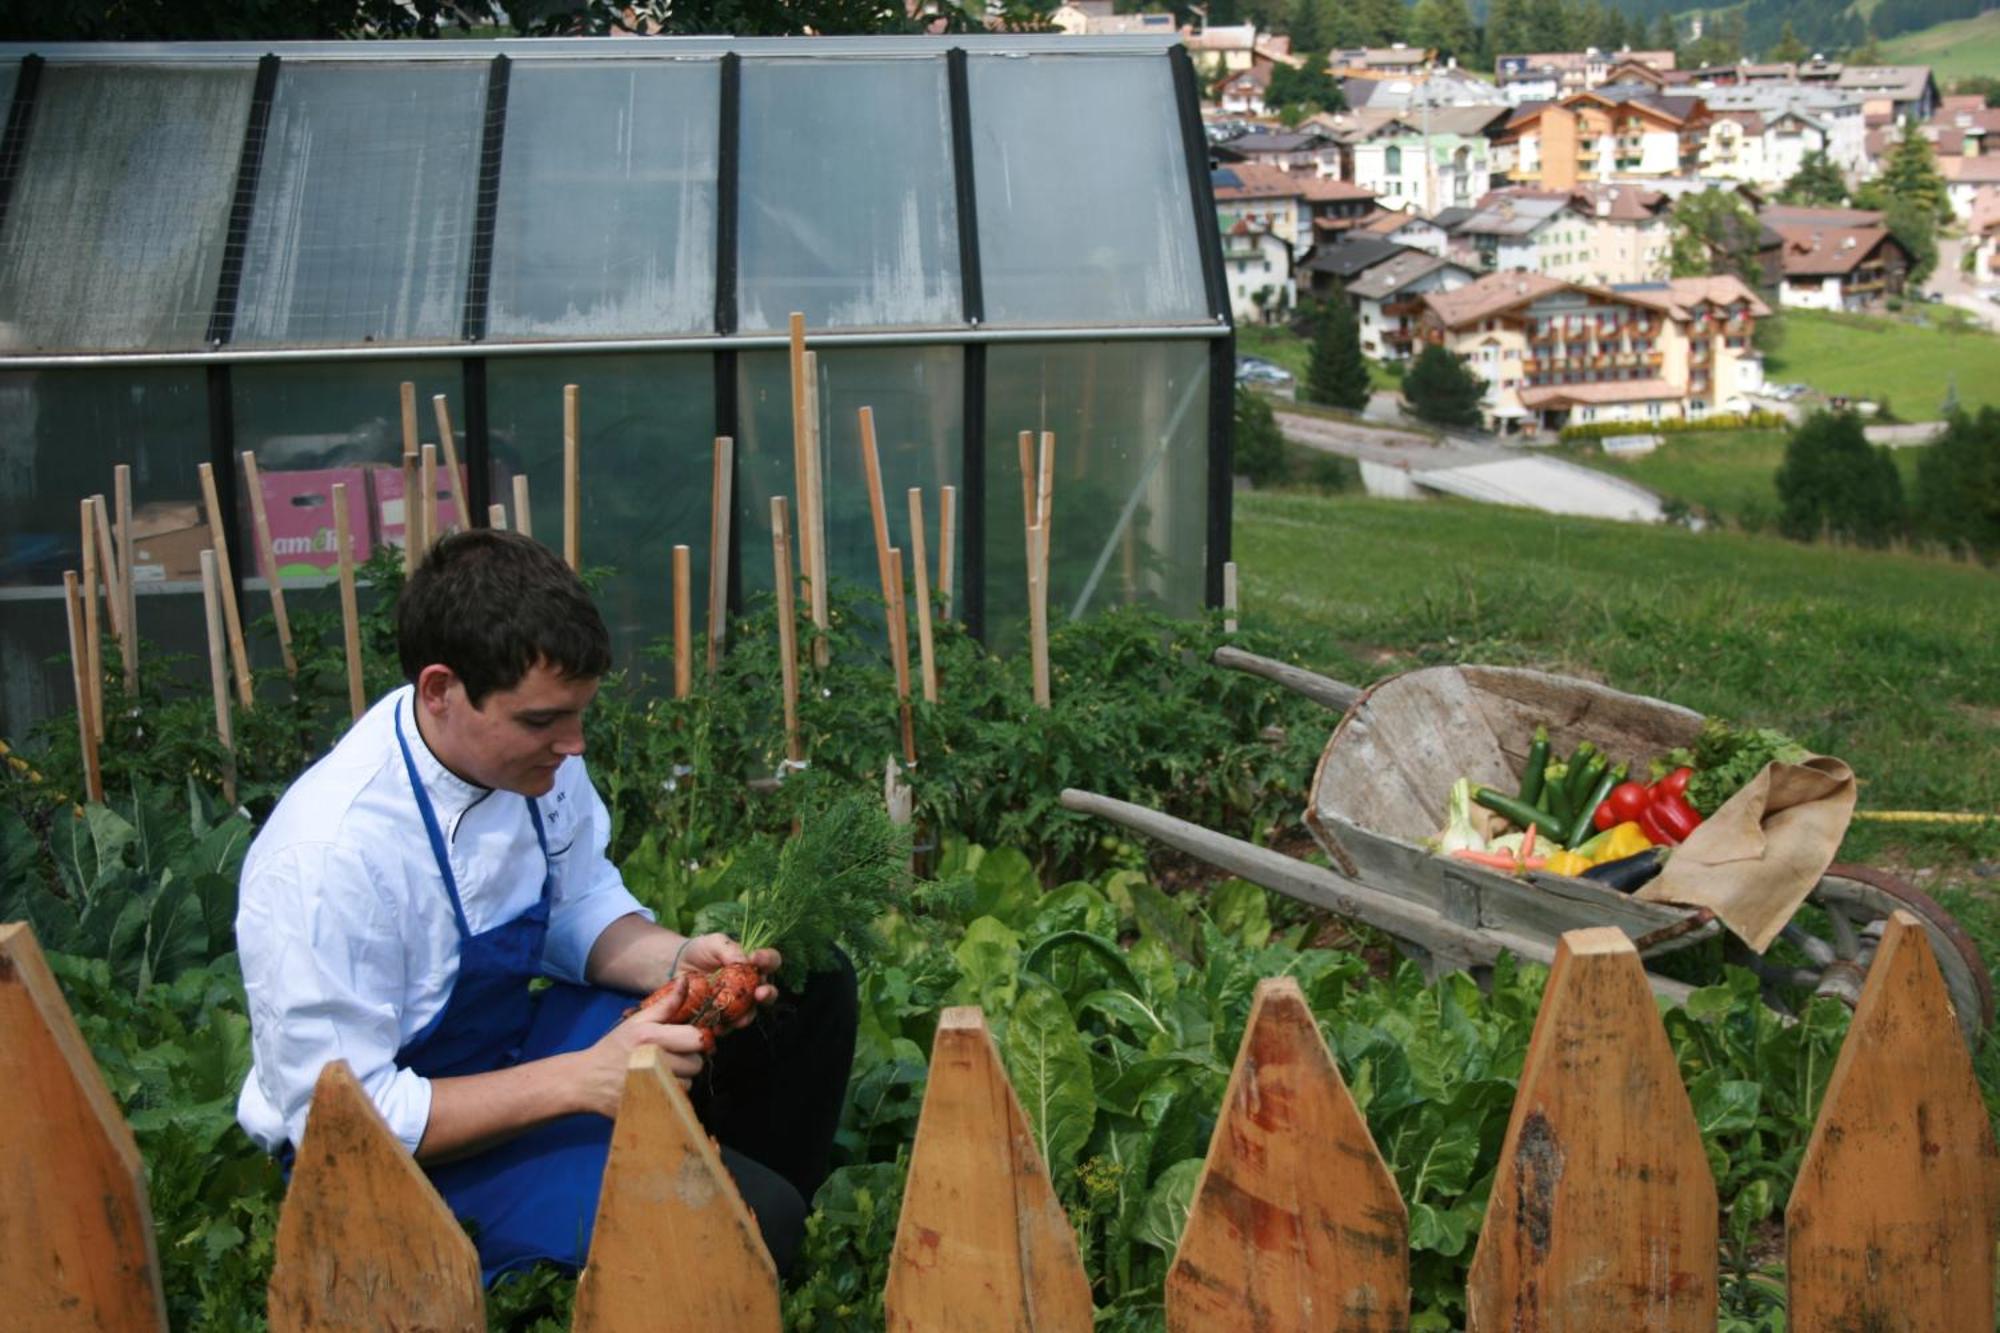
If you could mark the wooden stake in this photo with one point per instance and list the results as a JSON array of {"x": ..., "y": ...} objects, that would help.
[
  {"x": 665, "y": 1177},
  {"x": 920, "y": 563},
  {"x": 1045, "y": 502},
  {"x": 268, "y": 555},
  {"x": 219, "y": 543},
  {"x": 947, "y": 544},
  {"x": 572, "y": 496},
  {"x": 871, "y": 470},
  {"x": 121, "y": 485},
  {"x": 1332, "y": 1247},
  {"x": 93, "y": 636},
  {"x": 412, "y": 537},
  {"x": 107, "y": 568},
  {"x": 788, "y": 648},
  {"x": 448, "y": 448},
  {"x": 1891, "y": 1222},
  {"x": 79, "y": 667},
  {"x": 1229, "y": 597},
  {"x": 899, "y": 648},
  {"x": 815, "y": 509},
  {"x": 524, "y": 515},
  {"x": 979, "y": 1215},
  {"x": 218, "y": 673},
  {"x": 1038, "y": 614},
  {"x": 496, "y": 516},
  {"x": 721, "y": 501},
  {"x": 350, "y": 615},
  {"x": 1026, "y": 444},
  {"x": 802, "y": 461},
  {"x": 683, "y": 625},
  {"x": 430, "y": 484},
  {"x": 77, "y": 1229},
  {"x": 364, "y": 1241}
]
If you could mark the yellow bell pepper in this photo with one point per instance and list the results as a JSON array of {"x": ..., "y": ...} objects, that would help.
[
  {"x": 1626, "y": 839},
  {"x": 1566, "y": 863}
]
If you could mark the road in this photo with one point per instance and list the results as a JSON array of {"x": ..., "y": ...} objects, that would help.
[{"x": 1950, "y": 282}]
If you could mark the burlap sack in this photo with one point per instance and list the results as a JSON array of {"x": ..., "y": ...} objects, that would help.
[{"x": 1754, "y": 861}]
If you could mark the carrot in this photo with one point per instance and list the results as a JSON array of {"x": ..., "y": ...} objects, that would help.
[
  {"x": 715, "y": 1002},
  {"x": 1501, "y": 860}
]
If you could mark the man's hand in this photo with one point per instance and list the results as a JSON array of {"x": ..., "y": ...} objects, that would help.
[
  {"x": 601, "y": 1080},
  {"x": 705, "y": 953}
]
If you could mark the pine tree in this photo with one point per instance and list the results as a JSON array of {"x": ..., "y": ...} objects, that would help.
[
  {"x": 1507, "y": 30},
  {"x": 1911, "y": 174},
  {"x": 1817, "y": 182},
  {"x": 1339, "y": 375},
  {"x": 1445, "y": 25},
  {"x": 1260, "y": 446},
  {"x": 1789, "y": 50},
  {"x": 1440, "y": 387},
  {"x": 1666, "y": 37}
]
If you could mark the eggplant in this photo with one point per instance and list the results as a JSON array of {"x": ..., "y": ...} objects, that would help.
[{"x": 1628, "y": 873}]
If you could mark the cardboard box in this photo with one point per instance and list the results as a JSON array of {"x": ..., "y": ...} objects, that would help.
[
  {"x": 299, "y": 506},
  {"x": 386, "y": 486},
  {"x": 168, "y": 538}
]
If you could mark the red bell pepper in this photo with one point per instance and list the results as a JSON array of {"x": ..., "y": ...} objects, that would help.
[{"x": 1668, "y": 818}]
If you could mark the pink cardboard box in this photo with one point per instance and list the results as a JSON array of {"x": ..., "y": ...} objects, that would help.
[
  {"x": 299, "y": 506},
  {"x": 387, "y": 485}
]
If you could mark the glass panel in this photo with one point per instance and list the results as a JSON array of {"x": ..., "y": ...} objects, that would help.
[
  {"x": 61, "y": 433},
  {"x": 9, "y": 71},
  {"x": 363, "y": 225},
  {"x": 618, "y": 240},
  {"x": 115, "y": 232},
  {"x": 918, "y": 397},
  {"x": 848, "y": 211},
  {"x": 1085, "y": 215},
  {"x": 646, "y": 460},
  {"x": 1131, "y": 477}
]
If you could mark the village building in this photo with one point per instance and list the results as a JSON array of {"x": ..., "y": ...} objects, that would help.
[
  {"x": 1387, "y": 300},
  {"x": 1554, "y": 353},
  {"x": 1258, "y": 263},
  {"x": 1425, "y": 159},
  {"x": 1592, "y": 136},
  {"x": 1308, "y": 152},
  {"x": 1838, "y": 266},
  {"x": 1264, "y": 197},
  {"x": 1548, "y": 76}
]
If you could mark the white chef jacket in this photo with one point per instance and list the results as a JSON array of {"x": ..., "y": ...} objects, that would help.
[{"x": 345, "y": 930}]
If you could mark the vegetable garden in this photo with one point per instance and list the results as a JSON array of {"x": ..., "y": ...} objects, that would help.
[{"x": 1127, "y": 996}]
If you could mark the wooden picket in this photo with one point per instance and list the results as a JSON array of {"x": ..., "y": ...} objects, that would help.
[
  {"x": 1602, "y": 1213},
  {"x": 364, "y": 1241},
  {"x": 1295, "y": 1221},
  {"x": 1890, "y": 1227},
  {"x": 672, "y": 1233},
  {"x": 1603, "y": 1210},
  {"x": 76, "y": 1234},
  {"x": 982, "y": 1243}
]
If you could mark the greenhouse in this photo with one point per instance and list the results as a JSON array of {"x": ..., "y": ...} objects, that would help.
[{"x": 207, "y": 250}]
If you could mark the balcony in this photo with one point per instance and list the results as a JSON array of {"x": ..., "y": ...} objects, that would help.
[
  {"x": 1625, "y": 359},
  {"x": 1530, "y": 366}
]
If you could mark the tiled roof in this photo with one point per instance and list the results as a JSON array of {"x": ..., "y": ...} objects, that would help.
[
  {"x": 1799, "y": 215},
  {"x": 1514, "y": 215},
  {"x": 1679, "y": 296},
  {"x": 1254, "y": 180},
  {"x": 1604, "y": 391},
  {"x": 1828, "y": 251},
  {"x": 1489, "y": 295},
  {"x": 1391, "y": 276},
  {"x": 1353, "y": 254},
  {"x": 1326, "y": 190}
]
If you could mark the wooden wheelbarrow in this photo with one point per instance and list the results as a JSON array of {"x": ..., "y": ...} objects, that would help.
[{"x": 1380, "y": 791}]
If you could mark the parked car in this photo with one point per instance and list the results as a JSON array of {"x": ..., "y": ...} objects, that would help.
[{"x": 1256, "y": 370}]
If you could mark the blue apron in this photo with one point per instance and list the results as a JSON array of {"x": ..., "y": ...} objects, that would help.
[{"x": 533, "y": 1197}]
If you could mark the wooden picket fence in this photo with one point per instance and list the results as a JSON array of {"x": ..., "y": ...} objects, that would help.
[{"x": 1602, "y": 1217}]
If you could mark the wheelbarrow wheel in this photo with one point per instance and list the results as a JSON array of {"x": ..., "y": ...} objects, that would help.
[{"x": 1856, "y": 903}]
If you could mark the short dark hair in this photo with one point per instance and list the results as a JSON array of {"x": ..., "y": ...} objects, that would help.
[{"x": 490, "y": 605}]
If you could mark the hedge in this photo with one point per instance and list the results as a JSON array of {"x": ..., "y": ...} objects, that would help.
[{"x": 1598, "y": 430}]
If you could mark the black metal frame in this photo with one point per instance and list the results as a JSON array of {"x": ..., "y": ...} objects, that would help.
[
  {"x": 20, "y": 115},
  {"x": 970, "y": 594},
  {"x": 1221, "y": 353},
  {"x": 243, "y": 203},
  {"x": 728, "y": 168}
]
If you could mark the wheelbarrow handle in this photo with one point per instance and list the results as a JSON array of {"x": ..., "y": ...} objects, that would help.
[{"x": 1320, "y": 689}]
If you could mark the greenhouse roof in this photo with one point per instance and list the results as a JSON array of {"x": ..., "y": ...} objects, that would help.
[{"x": 248, "y": 201}]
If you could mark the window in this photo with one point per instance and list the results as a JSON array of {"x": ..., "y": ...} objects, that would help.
[{"x": 1392, "y": 161}]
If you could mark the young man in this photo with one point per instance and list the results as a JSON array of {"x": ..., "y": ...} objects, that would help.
[{"x": 448, "y": 851}]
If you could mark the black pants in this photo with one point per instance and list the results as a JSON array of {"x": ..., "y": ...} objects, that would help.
[{"x": 772, "y": 1095}]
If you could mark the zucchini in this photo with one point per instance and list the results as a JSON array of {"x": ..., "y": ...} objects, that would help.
[
  {"x": 1579, "y": 829},
  {"x": 1536, "y": 768},
  {"x": 1502, "y": 804}
]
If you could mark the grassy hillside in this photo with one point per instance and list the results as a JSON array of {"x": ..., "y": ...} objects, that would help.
[
  {"x": 1729, "y": 472},
  {"x": 1866, "y": 356},
  {"x": 1892, "y": 662},
  {"x": 1952, "y": 50}
]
